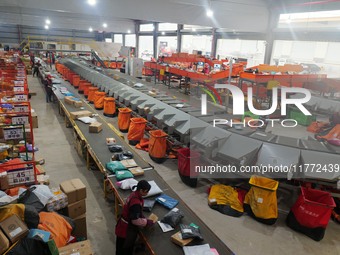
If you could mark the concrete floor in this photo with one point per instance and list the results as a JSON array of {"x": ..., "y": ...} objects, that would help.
[{"x": 242, "y": 235}]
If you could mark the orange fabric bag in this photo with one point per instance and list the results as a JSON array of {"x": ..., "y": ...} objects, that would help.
[
  {"x": 99, "y": 100},
  {"x": 59, "y": 228},
  {"x": 124, "y": 119},
  {"x": 109, "y": 107},
  {"x": 157, "y": 145},
  {"x": 91, "y": 95},
  {"x": 136, "y": 130}
]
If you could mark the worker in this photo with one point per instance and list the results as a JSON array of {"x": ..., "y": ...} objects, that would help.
[
  {"x": 36, "y": 68},
  {"x": 206, "y": 69},
  {"x": 49, "y": 89},
  {"x": 132, "y": 219}
]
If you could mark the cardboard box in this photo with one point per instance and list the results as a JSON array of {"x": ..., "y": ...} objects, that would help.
[
  {"x": 79, "y": 114},
  {"x": 4, "y": 242},
  {"x": 153, "y": 217},
  {"x": 14, "y": 228},
  {"x": 95, "y": 127},
  {"x": 177, "y": 239},
  {"x": 34, "y": 120},
  {"x": 128, "y": 163},
  {"x": 74, "y": 189},
  {"x": 58, "y": 201},
  {"x": 80, "y": 248},
  {"x": 81, "y": 228},
  {"x": 68, "y": 100},
  {"x": 77, "y": 103},
  {"x": 76, "y": 209},
  {"x": 136, "y": 171},
  {"x": 4, "y": 181},
  {"x": 40, "y": 161}
]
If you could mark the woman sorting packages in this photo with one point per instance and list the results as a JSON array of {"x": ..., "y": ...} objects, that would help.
[{"x": 132, "y": 219}]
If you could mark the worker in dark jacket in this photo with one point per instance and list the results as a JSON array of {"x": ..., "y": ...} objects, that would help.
[
  {"x": 132, "y": 219},
  {"x": 48, "y": 89},
  {"x": 36, "y": 68}
]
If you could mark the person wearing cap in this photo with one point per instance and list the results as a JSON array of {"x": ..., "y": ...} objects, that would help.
[
  {"x": 48, "y": 89},
  {"x": 132, "y": 219}
]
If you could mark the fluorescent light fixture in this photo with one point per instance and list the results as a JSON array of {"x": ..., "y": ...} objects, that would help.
[
  {"x": 210, "y": 13},
  {"x": 129, "y": 31},
  {"x": 47, "y": 21},
  {"x": 163, "y": 33},
  {"x": 104, "y": 25},
  {"x": 46, "y": 26},
  {"x": 193, "y": 29},
  {"x": 90, "y": 29},
  {"x": 91, "y": 2}
]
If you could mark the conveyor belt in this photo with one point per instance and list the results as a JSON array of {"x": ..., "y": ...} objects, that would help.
[{"x": 210, "y": 140}]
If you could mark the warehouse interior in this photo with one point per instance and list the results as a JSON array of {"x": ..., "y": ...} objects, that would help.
[{"x": 97, "y": 95}]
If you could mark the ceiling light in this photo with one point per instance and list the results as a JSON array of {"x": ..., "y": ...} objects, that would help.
[
  {"x": 90, "y": 29},
  {"x": 194, "y": 29},
  {"x": 104, "y": 25},
  {"x": 210, "y": 13},
  {"x": 129, "y": 31},
  {"x": 46, "y": 26},
  {"x": 163, "y": 33},
  {"x": 91, "y": 2},
  {"x": 48, "y": 22}
]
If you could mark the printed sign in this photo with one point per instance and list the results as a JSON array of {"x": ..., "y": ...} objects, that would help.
[
  {"x": 13, "y": 133},
  {"x": 20, "y": 120},
  {"x": 21, "y": 176}
]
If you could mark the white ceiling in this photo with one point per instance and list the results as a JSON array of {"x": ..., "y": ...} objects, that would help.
[
  {"x": 232, "y": 15},
  {"x": 240, "y": 15}
]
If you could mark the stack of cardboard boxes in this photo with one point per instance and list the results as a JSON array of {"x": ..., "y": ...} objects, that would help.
[
  {"x": 75, "y": 191},
  {"x": 73, "y": 101}
]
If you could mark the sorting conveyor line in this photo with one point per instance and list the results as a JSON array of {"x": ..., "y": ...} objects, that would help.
[{"x": 213, "y": 141}]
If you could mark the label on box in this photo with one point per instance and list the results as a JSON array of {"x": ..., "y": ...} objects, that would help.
[
  {"x": 21, "y": 98},
  {"x": 15, "y": 232},
  {"x": 21, "y": 176},
  {"x": 175, "y": 209},
  {"x": 260, "y": 200},
  {"x": 162, "y": 199},
  {"x": 13, "y": 133},
  {"x": 19, "y": 83},
  {"x": 77, "y": 253},
  {"x": 18, "y": 89},
  {"x": 186, "y": 231},
  {"x": 20, "y": 120},
  {"x": 20, "y": 108}
]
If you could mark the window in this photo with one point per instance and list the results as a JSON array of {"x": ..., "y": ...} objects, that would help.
[
  {"x": 145, "y": 47},
  {"x": 118, "y": 38},
  {"x": 252, "y": 50},
  {"x": 311, "y": 20},
  {"x": 146, "y": 27},
  {"x": 196, "y": 43},
  {"x": 321, "y": 56},
  {"x": 167, "y": 27},
  {"x": 130, "y": 40},
  {"x": 195, "y": 28},
  {"x": 166, "y": 45}
]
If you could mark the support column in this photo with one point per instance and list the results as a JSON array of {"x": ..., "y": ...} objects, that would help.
[
  {"x": 213, "y": 43},
  {"x": 272, "y": 23},
  {"x": 179, "y": 37},
  {"x": 137, "y": 38},
  {"x": 155, "y": 37}
]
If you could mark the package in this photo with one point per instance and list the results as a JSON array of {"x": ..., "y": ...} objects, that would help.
[
  {"x": 114, "y": 166},
  {"x": 167, "y": 201},
  {"x": 44, "y": 235},
  {"x": 68, "y": 100},
  {"x": 74, "y": 189},
  {"x": 58, "y": 201},
  {"x": 77, "y": 103},
  {"x": 53, "y": 247},
  {"x": 136, "y": 171},
  {"x": 43, "y": 179},
  {"x": 4, "y": 181},
  {"x": 81, "y": 228},
  {"x": 4, "y": 242},
  {"x": 79, "y": 114},
  {"x": 173, "y": 218},
  {"x": 177, "y": 239},
  {"x": 79, "y": 248},
  {"x": 76, "y": 209},
  {"x": 110, "y": 141},
  {"x": 128, "y": 163},
  {"x": 148, "y": 204},
  {"x": 153, "y": 217},
  {"x": 14, "y": 228},
  {"x": 40, "y": 161},
  {"x": 190, "y": 231},
  {"x": 95, "y": 127},
  {"x": 34, "y": 120}
]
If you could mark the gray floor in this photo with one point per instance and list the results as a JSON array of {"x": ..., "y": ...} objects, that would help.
[{"x": 243, "y": 235}]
